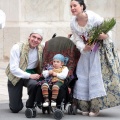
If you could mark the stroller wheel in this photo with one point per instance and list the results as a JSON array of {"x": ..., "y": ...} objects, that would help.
[
  {"x": 74, "y": 108},
  {"x": 34, "y": 112},
  {"x": 29, "y": 113},
  {"x": 58, "y": 114},
  {"x": 70, "y": 110}
]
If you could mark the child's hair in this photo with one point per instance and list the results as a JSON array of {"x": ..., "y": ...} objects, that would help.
[{"x": 61, "y": 58}]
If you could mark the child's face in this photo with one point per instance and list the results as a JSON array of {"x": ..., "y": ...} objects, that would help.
[{"x": 57, "y": 63}]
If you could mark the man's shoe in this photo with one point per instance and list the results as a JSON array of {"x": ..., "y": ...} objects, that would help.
[{"x": 93, "y": 114}]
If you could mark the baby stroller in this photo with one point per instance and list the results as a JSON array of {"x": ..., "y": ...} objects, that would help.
[{"x": 58, "y": 45}]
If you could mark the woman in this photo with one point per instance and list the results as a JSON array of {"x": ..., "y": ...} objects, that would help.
[{"x": 98, "y": 71}]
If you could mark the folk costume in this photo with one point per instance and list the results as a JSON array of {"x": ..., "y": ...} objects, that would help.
[
  {"x": 18, "y": 71},
  {"x": 98, "y": 71}
]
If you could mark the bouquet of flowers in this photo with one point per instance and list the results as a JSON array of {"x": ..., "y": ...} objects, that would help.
[{"x": 94, "y": 33}]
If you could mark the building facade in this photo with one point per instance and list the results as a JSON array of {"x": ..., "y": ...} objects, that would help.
[{"x": 53, "y": 16}]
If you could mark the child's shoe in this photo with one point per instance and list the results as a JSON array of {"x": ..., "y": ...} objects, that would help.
[
  {"x": 46, "y": 103},
  {"x": 53, "y": 103}
]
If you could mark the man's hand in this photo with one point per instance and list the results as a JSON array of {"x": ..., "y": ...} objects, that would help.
[{"x": 35, "y": 76}]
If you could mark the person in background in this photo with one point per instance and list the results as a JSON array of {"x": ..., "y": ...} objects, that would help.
[
  {"x": 2, "y": 19},
  {"x": 98, "y": 71},
  {"x": 24, "y": 69}
]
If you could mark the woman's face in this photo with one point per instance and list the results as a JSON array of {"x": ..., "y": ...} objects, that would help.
[{"x": 76, "y": 8}]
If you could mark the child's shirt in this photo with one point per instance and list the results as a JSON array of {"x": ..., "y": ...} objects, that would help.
[{"x": 61, "y": 73}]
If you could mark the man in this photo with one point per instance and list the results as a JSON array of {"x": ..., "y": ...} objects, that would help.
[
  {"x": 24, "y": 70},
  {"x": 2, "y": 19}
]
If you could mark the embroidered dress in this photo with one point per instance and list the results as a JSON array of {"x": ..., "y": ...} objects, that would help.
[
  {"x": 98, "y": 72},
  {"x": 90, "y": 83}
]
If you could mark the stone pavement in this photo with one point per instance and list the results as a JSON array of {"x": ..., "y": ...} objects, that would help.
[{"x": 107, "y": 114}]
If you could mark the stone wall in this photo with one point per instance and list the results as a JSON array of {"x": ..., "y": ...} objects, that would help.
[{"x": 53, "y": 16}]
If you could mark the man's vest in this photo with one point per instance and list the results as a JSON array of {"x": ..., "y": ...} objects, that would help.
[{"x": 24, "y": 50}]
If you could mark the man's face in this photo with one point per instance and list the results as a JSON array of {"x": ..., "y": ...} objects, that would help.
[{"x": 34, "y": 40}]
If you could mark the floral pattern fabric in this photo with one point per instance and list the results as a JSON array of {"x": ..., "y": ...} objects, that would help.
[{"x": 110, "y": 66}]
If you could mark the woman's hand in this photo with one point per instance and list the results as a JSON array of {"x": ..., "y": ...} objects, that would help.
[
  {"x": 69, "y": 35},
  {"x": 88, "y": 47},
  {"x": 103, "y": 36}
]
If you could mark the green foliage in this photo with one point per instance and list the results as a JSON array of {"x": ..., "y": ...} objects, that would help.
[{"x": 106, "y": 26}]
